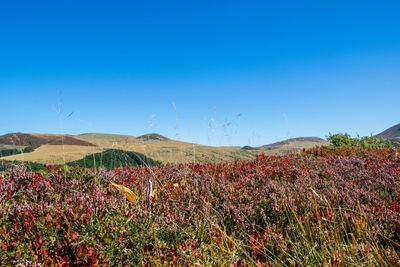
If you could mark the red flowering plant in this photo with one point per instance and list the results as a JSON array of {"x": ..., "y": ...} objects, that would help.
[{"x": 320, "y": 207}]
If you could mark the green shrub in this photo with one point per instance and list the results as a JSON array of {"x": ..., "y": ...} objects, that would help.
[
  {"x": 114, "y": 158},
  {"x": 367, "y": 142}
]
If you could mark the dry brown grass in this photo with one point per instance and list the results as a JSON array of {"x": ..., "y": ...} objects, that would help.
[
  {"x": 181, "y": 152},
  {"x": 49, "y": 154},
  {"x": 169, "y": 151}
]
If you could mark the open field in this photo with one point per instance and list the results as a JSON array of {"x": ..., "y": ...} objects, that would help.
[
  {"x": 55, "y": 154},
  {"x": 170, "y": 151},
  {"x": 319, "y": 208}
]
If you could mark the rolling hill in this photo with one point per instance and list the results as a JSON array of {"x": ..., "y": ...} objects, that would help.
[
  {"x": 114, "y": 158},
  {"x": 29, "y": 139},
  {"x": 167, "y": 150},
  {"x": 290, "y": 145},
  {"x": 152, "y": 137},
  {"x": 392, "y": 133}
]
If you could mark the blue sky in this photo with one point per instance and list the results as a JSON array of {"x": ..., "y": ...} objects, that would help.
[{"x": 209, "y": 72}]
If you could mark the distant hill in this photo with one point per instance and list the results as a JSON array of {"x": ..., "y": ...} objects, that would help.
[
  {"x": 114, "y": 158},
  {"x": 393, "y": 133},
  {"x": 299, "y": 140},
  {"x": 27, "y": 139},
  {"x": 152, "y": 145},
  {"x": 152, "y": 137},
  {"x": 291, "y": 145},
  {"x": 95, "y": 137},
  {"x": 167, "y": 150},
  {"x": 250, "y": 148}
]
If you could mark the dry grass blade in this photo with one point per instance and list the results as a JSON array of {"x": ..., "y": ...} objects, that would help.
[{"x": 128, "y": 193}]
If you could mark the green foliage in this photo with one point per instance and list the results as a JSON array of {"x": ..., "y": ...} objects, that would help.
[
  {"x": 29, "y": 149},
  {"x": 9, "y": 152},
  {"x": 114, "y": 158},
  {"x": 368, "y": 142}
]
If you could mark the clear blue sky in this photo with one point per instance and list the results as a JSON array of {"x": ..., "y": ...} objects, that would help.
[{"x": 210, "y": 72}]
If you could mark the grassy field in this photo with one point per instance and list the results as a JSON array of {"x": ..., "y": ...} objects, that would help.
[
  {"x": 55, "y": 154},
  {"x": 170, "y": 151}
]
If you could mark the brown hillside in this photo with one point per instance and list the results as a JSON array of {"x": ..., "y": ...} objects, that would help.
[
  {"x": 391, "y": 133},
  {"x": 24, "y": 139}
]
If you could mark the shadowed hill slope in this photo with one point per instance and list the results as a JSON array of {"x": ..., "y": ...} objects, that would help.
[
  {"x": 392, "y": 133},
  {"x": 114, "y": 158}
]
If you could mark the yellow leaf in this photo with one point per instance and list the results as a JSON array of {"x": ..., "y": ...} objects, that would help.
[{"x": 128, "y": 193}]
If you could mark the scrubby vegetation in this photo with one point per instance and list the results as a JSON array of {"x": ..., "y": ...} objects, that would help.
[
  {"x": 9, "y": 152},
  {"x": 114, "y": 158},
  {"x": 319, "y": 208},
  {"x": 366, "y": 142},
  {"x": 5, "y": 165}
]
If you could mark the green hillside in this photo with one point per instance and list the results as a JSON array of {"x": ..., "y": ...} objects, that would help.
[{"x": 114, "y": 158}]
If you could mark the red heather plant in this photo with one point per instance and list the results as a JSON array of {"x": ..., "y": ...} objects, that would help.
[{"x": 320, "y": 207}]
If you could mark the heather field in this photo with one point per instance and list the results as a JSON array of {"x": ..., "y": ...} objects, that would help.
[{"x": 318, "y": 208}]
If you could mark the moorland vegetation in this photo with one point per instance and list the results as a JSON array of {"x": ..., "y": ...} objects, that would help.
[{"x": 321, "y": 207}]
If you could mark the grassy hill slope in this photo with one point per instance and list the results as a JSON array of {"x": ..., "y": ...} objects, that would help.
[
  {"x": 291, "y": 145},
  {"x": 167, "y": 151},
  {"x": 114, "y": 158},
  {"x": 53, "y": 154}
]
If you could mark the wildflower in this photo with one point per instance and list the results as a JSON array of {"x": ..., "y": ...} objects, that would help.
[
  {"x": 126, "y": 251},
  {"x": 75, "y": 236}
]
